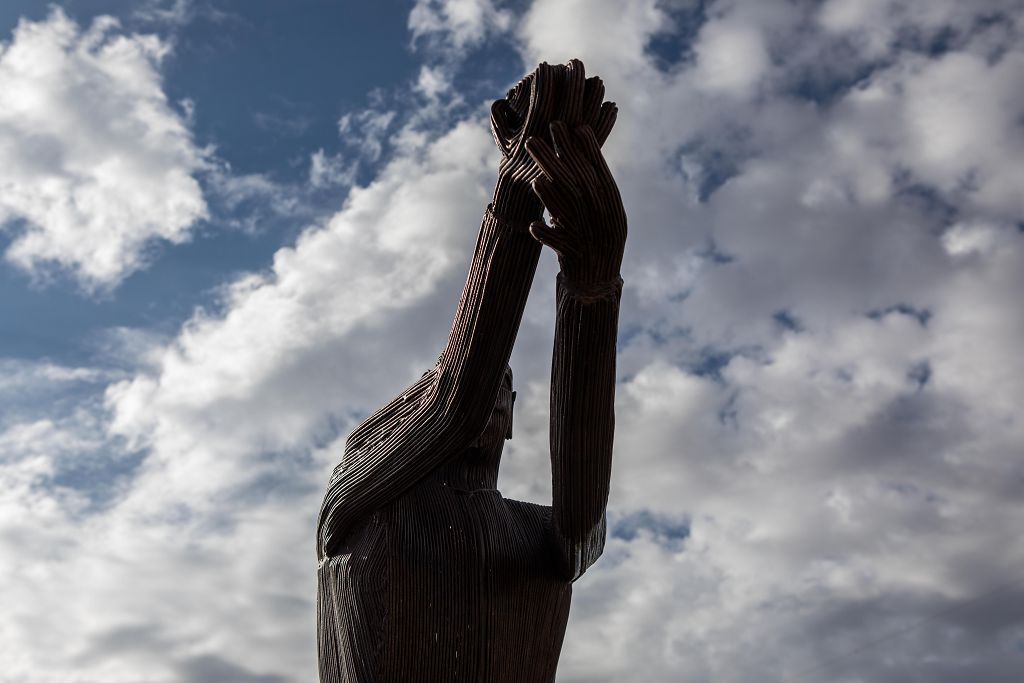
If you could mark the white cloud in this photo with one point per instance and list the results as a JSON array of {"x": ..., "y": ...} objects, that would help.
[
  {"x": 819, "y": 375},
  {"x": 251, "y": 201},
  {"x": 878, "y": 26},
  {"x": 95, "y": 166},
  {"x": 173, "y": 12},
  {"x": 329, "y": 170},
  {"x": 432, "y": 82},
  {"x": 227, "y": 416},
  {"x": 366, "y": 131},
  {"x": 962, "y": 127},
  {"x": 730, "y": 58},
  {"x": 976, "y": 238},
  {"x": 389, "y": 247},
  {"x": 833, "y": 476},
  {"x": 457, "y": 24},
  {"x": 609, "y": 38},
  {"x": 20, "y": 376}
]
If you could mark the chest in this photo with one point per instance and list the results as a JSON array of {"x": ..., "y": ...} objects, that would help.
[{"x": 478, "y": 534}]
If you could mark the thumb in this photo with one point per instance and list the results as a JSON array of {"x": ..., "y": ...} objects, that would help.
[
  {"x": 500, "y": 130},
  {"x": 553, "y": 237}
]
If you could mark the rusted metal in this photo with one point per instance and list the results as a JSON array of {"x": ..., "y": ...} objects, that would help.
[{"x": 426, "y": 572}]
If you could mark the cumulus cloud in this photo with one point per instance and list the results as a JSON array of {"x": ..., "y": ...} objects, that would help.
[
  {"x": 803, "y": 371},
  {"x": 389, "y": 248},
  {"x": 817, "y": 471},
  {"x": 209, "y": 483},
  {"x": 730, "y": 57},
  {"x": 457, "y": 24},
  {"x": 96, "y": 167}
]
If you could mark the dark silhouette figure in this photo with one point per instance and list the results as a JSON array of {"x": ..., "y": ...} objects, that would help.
[{"x": 426, "y": 572}]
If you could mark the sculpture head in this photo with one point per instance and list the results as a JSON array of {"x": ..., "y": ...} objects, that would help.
[{"x": 499, "y": 424}]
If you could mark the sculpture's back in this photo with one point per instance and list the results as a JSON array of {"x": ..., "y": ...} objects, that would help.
[{"x": 426, "y": 572}]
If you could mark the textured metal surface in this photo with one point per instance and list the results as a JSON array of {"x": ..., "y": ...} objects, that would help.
[{"x": 426, "y": 573}]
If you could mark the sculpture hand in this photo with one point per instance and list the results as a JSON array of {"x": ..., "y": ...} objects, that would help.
[
  {"x": 588, "y": 223},
  {"x": 560, "y": 92}
]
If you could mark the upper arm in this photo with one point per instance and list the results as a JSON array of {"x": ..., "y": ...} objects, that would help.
[
  {"x": 385, "y": 419},
  {"x": 389, "y": 453}
]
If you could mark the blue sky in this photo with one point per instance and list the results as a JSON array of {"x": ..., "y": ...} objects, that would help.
[
  {"x": 216, "y": 218},
  {"x": 264, "y": 107}
]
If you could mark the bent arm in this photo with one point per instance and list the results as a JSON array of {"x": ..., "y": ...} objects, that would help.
[
  {"x": 440, "y": 415},
  {"x": 582, "y": 419},
  {"x": 588, "y": 232}
]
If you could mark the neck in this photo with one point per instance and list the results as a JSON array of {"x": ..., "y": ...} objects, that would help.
[{"x": 474, "y": 468}]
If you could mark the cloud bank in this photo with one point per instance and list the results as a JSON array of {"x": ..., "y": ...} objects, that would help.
[{"x": 818, "y": 467}]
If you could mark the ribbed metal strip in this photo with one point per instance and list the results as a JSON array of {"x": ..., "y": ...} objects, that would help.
[{"x": 426, "y": 572}]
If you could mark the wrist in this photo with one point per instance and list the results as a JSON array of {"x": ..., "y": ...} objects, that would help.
[
  {"x": 595, "y": 269},
  {"x": 505, "y": 225},
  {"x": 589, "y": 291}
]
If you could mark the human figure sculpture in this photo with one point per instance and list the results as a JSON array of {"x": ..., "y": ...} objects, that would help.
[{"x": 426, "y": 572}]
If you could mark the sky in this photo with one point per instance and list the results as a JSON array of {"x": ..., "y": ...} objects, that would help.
[{"x": 231, "y": 229}]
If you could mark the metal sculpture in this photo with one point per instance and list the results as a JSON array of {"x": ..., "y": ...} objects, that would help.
[{"x": 426, "y": 572}]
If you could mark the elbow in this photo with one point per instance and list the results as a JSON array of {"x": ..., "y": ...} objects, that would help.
[
  {"x": 331, "y": 524},
  {"x": 579, "y": 554},
  {"x": 457, "y": 409}
]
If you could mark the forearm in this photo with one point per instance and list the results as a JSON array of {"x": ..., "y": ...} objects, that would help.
[
  {"x": 488, "y": 316},
  {"x": 582, "y": 419}
]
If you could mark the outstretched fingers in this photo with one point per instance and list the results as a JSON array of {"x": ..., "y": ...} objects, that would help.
[
  {"x": 573, "y": 154},
  {"x": 592, "y": 97},
  {"x": 542, "y": 99},
  {"x": 592, "y": 149},
  {"x": 565, "y": 146},
  {"x": 546, "y": 159},
  {"x": 552, "y": 196},
  {"x": 573, "y": 92},
  {"x": 605, "y": 122},
  {"x": 501, "y": 126}
]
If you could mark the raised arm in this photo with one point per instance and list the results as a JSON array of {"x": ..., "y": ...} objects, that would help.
[
  {"x": 588, "y": 231},
  {"x": 440, "y": 415}
]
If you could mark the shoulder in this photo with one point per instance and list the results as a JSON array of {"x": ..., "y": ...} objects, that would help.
[{"x": 529, "y": 513}]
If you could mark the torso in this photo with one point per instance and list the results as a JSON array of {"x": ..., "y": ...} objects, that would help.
[{"x": 449, "y": 584}]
